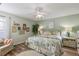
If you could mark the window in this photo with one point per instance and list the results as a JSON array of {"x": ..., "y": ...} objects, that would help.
[{"x": 2, "y": 27}]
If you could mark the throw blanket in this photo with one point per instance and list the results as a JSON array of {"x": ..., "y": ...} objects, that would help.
[{"x": 46, "y": 46}]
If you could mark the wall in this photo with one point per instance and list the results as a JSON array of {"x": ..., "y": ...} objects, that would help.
[
  {"x": 62, "y": 22},
  {"x": 15, "y": 36}
]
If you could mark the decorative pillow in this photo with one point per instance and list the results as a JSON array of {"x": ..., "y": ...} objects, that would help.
[{"x": 8, "y": 41}]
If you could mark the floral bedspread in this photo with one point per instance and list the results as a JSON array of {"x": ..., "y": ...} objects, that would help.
[{"x": 46, "y": 46}]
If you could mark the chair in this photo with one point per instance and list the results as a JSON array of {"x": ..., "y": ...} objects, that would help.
[{"x": 6, "y": 46}]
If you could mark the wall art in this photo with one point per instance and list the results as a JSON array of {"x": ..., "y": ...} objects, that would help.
[
  {"x": 14, "y": 29},
  {"x": 24, "y": 27}
]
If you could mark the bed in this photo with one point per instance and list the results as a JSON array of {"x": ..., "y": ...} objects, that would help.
[{"x": 45, "y": 45}]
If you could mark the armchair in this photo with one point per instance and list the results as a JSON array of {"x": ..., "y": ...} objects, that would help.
[{"x": 5, "y": 46}]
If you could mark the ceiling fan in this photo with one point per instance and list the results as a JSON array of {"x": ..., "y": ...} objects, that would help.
[{"x": 39, "y": 13}]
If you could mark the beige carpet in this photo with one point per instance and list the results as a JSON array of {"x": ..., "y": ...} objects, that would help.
[{"x": 29, "y": 53}]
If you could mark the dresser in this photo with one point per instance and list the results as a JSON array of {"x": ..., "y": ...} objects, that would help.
[{"x": 69, "y": 42}]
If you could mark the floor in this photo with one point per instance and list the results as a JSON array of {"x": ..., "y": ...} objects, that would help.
[
  {"x": 18, "y": 49},
  {"x": 69, "y": 51},
  {"x": 22, "y": 47}
]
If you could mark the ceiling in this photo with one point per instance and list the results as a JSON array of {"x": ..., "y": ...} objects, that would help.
[{"x": 51, "y": 10}]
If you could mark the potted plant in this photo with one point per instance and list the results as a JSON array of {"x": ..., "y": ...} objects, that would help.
[{"x": 35, "y": 29}]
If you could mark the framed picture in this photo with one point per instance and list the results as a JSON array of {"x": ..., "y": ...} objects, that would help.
[
  {"x": 24, "y": 26},
  {"x": 14, "y": 29},
  {"x": 28, "y": 29},
  {"x": 19, "y": 28}
]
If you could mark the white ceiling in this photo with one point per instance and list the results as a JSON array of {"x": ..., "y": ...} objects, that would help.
[{"x": 52, "y": 10}]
